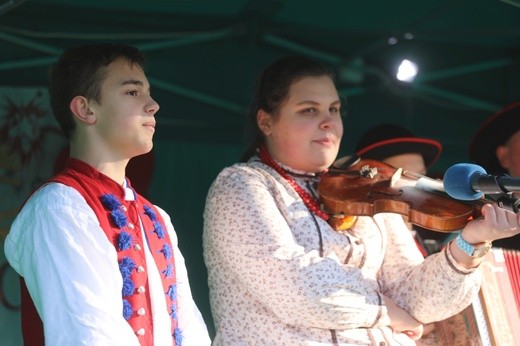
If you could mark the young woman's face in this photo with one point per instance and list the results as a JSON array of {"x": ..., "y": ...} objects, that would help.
[{"x": 306, "y": 133}]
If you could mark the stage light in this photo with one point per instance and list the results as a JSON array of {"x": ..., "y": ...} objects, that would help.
[
  {"x": 392, "y": 40},
  {"x": 407, "y": 71}
]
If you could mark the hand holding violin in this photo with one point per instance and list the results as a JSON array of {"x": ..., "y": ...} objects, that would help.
[{"x": 495, "y": 223}]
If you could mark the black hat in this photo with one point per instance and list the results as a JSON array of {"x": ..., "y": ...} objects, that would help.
[
  {"x": 385, "y": 140},
  {"x": 494, "y": 132}
]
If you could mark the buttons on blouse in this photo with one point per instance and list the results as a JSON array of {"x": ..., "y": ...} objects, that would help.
[
  {"x": 130, "y": 225},
  {"x": 141, "y": 311},
  {"x": 123, "y": 208},
  {"x": 141, "y": 289},
  {"x": 137, "y": 247},
  {"x": 140, "y": 269},
  {"x": 141, "y": 332}
]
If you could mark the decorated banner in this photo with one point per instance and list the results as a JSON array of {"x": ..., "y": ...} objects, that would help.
[{"x": 30, "y": 141}]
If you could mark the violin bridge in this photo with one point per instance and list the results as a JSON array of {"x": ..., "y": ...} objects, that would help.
[{"x": 396, "y": 177}]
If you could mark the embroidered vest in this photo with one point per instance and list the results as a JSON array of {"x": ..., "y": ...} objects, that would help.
[{"x": 121, "y": 220}]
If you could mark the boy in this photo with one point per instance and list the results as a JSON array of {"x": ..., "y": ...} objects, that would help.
[{"x": 100, "y": 262}]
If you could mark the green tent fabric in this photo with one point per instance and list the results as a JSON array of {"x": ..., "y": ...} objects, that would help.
[{"x": 203, "y": 57}]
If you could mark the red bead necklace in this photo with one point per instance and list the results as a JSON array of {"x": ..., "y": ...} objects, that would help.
[{"x": 310, "y": 201}]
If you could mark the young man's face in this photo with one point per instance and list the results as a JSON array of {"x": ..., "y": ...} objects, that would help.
[{"x": 125, "y": 116}]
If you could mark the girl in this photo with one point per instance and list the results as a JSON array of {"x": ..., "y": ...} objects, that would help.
[{"x": 280, "y": 275}]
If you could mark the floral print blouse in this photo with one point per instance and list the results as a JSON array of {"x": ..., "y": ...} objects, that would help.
[{"x": 279, "y": 275}]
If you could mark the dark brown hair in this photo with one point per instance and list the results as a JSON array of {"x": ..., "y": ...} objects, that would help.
[{"x": 81, "y": 71}]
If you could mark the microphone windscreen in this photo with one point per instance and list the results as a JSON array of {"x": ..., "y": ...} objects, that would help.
[{"x": 458, "y": 181}]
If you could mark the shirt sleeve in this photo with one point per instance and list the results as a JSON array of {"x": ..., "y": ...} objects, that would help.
[
  {"x": 248, "y": 242},
  {"x": 191, "y": 323},
  {"x": 70, "y": 269},
  {"x": 430, "y": 289}
]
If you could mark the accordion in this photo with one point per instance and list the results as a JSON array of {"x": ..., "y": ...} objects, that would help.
[{"x": 494, "y": 318}]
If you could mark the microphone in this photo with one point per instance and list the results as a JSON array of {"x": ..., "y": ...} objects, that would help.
[{"x": 466, "y": 181}]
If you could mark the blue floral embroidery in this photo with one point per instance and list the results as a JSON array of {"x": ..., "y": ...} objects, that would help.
[
  {"x": 119, "y": 218},
  {"x": 128, "y": 287},
  {"x": 110, "y": 202},
  {"x": 177, "y": 334},
  {"x": 173, "y": 311},
  {"x": 149, "y": 211},
  {"x": 124, "y": 241},
  {"x": 172, "y": 292},
  {"x": 126, "y": 265},
  {"x": 158, "y": 229},
  {"x": 167, "y": 251},
  {"x": 168, "y": 272},
  {"x": 127, "y": 309}
]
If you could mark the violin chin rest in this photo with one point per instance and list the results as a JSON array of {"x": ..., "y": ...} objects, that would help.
[{"x": 345, "y": 161}]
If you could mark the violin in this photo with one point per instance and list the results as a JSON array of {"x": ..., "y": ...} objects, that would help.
[{"x": 365, "y": 187}]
